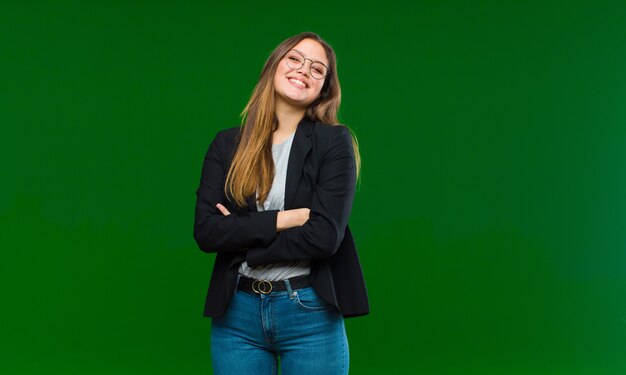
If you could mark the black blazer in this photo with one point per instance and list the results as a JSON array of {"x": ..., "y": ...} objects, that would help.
[{"x": 321, "y": 175}]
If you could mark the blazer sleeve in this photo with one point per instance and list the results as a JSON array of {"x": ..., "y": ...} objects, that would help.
[
  {"x": 322, "y": 234},
  {"x": 215, "y": 232}
]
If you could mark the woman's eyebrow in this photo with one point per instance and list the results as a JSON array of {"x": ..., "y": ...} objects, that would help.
[{"x": 307, "y": 57}]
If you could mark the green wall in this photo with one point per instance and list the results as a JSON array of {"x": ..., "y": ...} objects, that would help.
[{"x": 489, "y": 219}]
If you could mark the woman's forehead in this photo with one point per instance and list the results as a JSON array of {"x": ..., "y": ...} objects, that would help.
[{"x": 312, "y": 50}]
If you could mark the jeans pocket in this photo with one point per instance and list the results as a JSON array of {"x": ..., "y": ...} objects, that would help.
[{"x": 308, "y": 299}]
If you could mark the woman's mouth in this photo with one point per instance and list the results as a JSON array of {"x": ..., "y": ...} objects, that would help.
[{"x": 297, "y": 83}]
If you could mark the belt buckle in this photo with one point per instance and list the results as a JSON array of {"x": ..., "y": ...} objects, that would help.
[{"x": 261, "y": 286}]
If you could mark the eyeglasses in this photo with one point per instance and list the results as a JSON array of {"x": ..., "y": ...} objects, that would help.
[{"x": 296, "y": 60}]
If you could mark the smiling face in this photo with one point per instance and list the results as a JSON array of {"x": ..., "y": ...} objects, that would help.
[{"x": 297, "y": 87}]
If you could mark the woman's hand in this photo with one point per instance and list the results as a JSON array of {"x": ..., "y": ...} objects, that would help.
[
  {"x": 285, "y": 219},
  {"x": 222, "y": 209},
  {"x": 291, "y": 218}
]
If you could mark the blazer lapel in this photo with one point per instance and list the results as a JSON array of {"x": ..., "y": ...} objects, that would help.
[{"x": 300, "y": 147}]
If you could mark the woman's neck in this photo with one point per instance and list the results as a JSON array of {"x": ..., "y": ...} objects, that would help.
[{"x": 288, "y": 117}]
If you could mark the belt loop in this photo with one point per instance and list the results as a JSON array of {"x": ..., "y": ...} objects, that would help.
[
  {"x": 237, "y": 282},
  {"x": 289, "y": 292}
]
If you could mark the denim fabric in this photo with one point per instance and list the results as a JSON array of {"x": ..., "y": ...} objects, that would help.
[{"x": 298, "y": 325}]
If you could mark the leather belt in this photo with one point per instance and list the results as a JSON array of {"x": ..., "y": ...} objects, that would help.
[{"x": 251, "y": 285}]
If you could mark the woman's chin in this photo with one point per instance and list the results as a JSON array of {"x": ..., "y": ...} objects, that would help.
[{"x": 297, "y": 100}]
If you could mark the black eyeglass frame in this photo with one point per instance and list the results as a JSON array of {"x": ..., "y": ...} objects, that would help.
[{"x": 304, "y": 62}]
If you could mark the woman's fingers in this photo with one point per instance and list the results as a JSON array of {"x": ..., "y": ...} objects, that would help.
[
  {"x": 222, "y": 209},
  {"x": 306, "y": 213},
  {"x": 302, "y": 215}
]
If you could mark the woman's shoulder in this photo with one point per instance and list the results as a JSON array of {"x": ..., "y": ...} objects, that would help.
[
  {"x": 330, "y": 130},
  {"x": 231, "y": 132},
  {"x": 324, "y": 132},
  {"x": 332, "y": 134},
  {"x": 227, "y": 137}
]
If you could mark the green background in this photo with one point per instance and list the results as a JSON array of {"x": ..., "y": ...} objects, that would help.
[{"x": 489, "y": 218}]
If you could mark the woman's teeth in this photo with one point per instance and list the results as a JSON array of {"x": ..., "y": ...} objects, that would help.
[{"x": 297, "y": 82}]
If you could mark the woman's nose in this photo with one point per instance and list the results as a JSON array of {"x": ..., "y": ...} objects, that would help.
[{"x": 304, "y": 69}]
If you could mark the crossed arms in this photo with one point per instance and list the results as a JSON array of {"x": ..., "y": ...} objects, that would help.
[{"x": 274, "y": 236}]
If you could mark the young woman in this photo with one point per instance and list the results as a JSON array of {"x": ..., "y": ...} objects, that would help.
[{"x": 274, "y": 201}]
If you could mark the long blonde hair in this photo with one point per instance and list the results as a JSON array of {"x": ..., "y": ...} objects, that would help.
[{"x": 252, "y": 167}]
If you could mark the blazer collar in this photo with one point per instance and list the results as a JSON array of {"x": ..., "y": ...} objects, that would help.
[{"x": 300, "y": 147}]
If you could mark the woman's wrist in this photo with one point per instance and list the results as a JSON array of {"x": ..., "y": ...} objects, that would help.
[
  {"x": 284, "y": 220},
  {"x": 291, "y": 218}
]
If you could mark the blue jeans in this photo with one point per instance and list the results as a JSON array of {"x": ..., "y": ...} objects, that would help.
[{"x": 306, "y": 332}]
